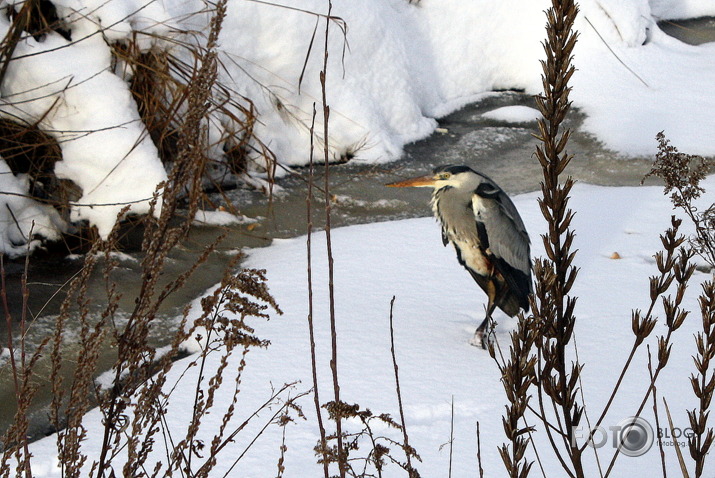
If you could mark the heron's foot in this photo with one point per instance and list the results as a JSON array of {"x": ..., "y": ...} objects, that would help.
[
  {"x": 481, "y": 339},
  {"x": 484, "y": 335}
]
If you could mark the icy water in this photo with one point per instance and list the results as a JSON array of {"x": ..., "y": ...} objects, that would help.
[{"x": 502, "y": 151}]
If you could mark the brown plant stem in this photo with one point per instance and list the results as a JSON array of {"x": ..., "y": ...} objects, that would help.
[
  {"x": 661, "y": 451},
  {"x": 162, "y": 236},
  {"x": 342, "y": 462},
  {"x": 683, "y": 270},
  {"x": 406, "y": 441},
  {"x": 703, "y": 383},
  {"x": 20, "y": 424},
  {"x": 643, "y": 325},
  {"x": 553, "y": 307},
  {"x": 311, "y": 328}
]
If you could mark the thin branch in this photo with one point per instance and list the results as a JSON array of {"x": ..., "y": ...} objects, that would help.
[
  {"x": 311, "y": 329},
  {"x": 342, "y": 458},
  {"x": 405, "y": 437},
  {"x": 614, "y": 54}
]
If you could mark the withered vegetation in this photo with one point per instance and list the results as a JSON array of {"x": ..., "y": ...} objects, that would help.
[
  {"x": 541, "y": 371},
  {"x": 135, "y": 437}
]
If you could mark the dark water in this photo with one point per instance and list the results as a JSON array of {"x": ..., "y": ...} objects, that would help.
[
  {"x": 696, "y": 31},
  {"x": 502, "y": 151}
]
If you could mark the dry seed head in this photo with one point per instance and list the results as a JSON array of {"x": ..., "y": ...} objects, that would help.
[{"x": 663, "y": 352}]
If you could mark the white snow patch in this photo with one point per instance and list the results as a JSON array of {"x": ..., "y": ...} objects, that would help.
[
  {"x": 681, "y": 9},
  {"x": 220, "y": 218},
  {"x": 23, "y": 220},
  {"x": 69, "y": 88},
  {"x": 513, "y": 114}
]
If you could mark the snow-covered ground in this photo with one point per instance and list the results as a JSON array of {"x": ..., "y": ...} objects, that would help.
[
  {"x": 437, "y": 308},
  {"x": 399, "y": 66}
]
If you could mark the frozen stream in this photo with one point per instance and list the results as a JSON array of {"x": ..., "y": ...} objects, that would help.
[{"x": 501, "y": 150}]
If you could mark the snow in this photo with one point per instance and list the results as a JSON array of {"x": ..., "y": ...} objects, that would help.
[
  {"x": 680, "y": 9},
  {"x": 434, "y": 57},
  {"x": 220, "y": 218},
  {"x": 394, "y": 66},
  {"x": 630, "y": 105},
  {"x": 69, "y": 88},
  {"x": 513, "y": 114},
  {"x": 437, "y": 308}
]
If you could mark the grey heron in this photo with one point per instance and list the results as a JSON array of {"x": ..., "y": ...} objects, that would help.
[{"x": 489, "y": 236}]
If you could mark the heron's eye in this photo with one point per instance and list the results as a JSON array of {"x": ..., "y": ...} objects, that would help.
[{"x": 443, "y": 176}]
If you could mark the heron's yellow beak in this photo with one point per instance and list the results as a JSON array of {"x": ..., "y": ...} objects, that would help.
[{"x": 418, "y": 182}]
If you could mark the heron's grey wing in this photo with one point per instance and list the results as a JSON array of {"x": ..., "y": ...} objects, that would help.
[{"x": 501, "y": 228}]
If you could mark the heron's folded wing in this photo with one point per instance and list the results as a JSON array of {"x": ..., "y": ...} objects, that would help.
[{"x": 501, "y": 227}]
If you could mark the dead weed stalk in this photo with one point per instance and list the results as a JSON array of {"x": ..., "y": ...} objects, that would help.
[
  {"x": 341, "y": 447},
  {"x": 539, "y": 352},
  {"x": 682, "y": 175}
]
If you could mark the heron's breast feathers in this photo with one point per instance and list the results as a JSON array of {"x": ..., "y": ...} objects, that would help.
[{"x": 472, "y": 256}]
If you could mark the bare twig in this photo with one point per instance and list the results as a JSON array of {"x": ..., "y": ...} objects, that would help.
[
  {"x": 342, "y": 461},
  {"x": 479, "y": 452},
  {"x": 682, "y": 271},
  {"x": 451, "y": 436},
  {"x": 311, "y": 328},
  {"x": 406, "y": 441},
  {"x": 655, "y": 413},
  {"x": 681, "y": 461},
  {"x": 615, "y": 55}
]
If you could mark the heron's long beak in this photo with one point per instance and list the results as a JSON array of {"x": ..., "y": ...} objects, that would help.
[{"x": 418, "y": 182}]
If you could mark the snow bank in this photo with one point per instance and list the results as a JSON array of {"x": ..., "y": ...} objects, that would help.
[
  {"x": 681, "y": 9},
  {"x": 633, "y": 81},
  {"x": 436, "y": 311},
  {"x": 68, "y": 86},
  {"x": 393, "y": 67},
  {"x": 400, "y": 65}
]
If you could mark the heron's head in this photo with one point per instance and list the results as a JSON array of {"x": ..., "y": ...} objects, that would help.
[{"x": 443, "y": 177}]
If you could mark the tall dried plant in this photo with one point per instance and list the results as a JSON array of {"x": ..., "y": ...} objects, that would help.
[
  {"x": 537, "y": 358},
  {"x": 552, "y": 307},
  {"x": 703, "y": 383},
  {"x": 364, "y": 452},
  {"x": 21, "y": 369},
  {"x": 336, "y": 403},
  {"x": 550, "y": 329},
  {"x": 161, "y": 236},
  {"x": 682, "y": 175}
]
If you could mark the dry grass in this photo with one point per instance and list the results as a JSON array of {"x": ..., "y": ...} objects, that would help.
[
  {"x": 682, "y": 175},
  {"x": 134, "y": 426},
  {"x": 178, "y": 96}
]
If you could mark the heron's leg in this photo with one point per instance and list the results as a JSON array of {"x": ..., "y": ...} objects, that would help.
[{"x": 483, "y": 330}]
